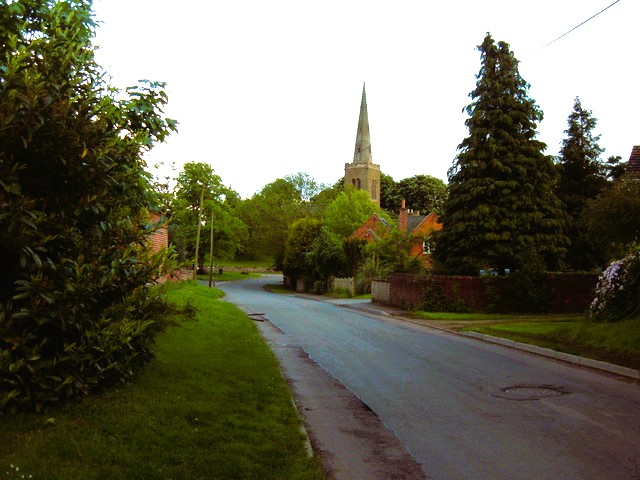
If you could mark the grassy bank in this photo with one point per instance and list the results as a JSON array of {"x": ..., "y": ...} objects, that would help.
[
  {"x": 213, "y": 405},
  {"x": 617, "y": 343}
]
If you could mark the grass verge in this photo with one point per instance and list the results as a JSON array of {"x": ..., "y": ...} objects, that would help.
[
  {"x": 213, "y": 405},
  {"x": 617, "y": 342}
]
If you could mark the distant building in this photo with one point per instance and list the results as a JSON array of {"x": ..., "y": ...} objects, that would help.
[
  {"x": 376, "y": 228},
  {"x": 363, "y": 174},
  {"x": 633, "y": 165}
]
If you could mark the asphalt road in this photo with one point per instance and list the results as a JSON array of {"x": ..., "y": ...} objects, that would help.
[{"x": 463, "y": 408}]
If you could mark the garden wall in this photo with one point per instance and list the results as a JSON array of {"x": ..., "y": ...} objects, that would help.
[
  {"x": 381, "y": 292},
  {"x": 566, "y": 293},
  {"x": 347, "y": 284}
]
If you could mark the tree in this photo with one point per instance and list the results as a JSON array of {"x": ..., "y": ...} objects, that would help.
[
  {"x": 614, "y": 167},
  {"x": 197, "y": 181},
  {"x": 327, "y": 256},
  {"x": 501, "y": 211},
  {"x": 268, "y": 215},
  {"x": 76, "y": 311},
  {"x": 305, "y": 185},
  {"x": 300, "y": 237},
  {"x": 423, "y": 193},
  {"x": 582, "y": 176},
  {"x": 389, "y": 198},
  {"x": 393, "y": 253},
  {"x": 348, "y": 211},
  {"x": 612, "y": 220}
]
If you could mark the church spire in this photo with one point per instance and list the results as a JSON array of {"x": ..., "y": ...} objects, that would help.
[
  {"x": 362, "y": 152},
  {"x": 362, "y": 174}
]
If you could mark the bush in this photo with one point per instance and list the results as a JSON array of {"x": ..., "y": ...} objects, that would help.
[
  {"x": 76, "y": 310},
  {"x": 618, "y": 291},
  {"x": 527, "y": 292}
]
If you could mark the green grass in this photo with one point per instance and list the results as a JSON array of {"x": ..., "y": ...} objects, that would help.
[
  {"x": 617, "y": 343},
  {"x": 259, "y": 264},
  {"x": 229, "y": 276},
  {"x": 213, "y": 405},
  {"x": 498, "y": 317}
]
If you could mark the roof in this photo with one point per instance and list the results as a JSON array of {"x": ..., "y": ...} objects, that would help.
[
  {"x": 372, "y": 229},
  {"x": 633, "y": 165},
  {"x": 413, "y": 221}
]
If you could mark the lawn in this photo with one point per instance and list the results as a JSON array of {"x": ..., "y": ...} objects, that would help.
[
  {"x": 212, "y": 405},
  {"x": 228, "y": 276},
  {"x": 617, "y": 343}
]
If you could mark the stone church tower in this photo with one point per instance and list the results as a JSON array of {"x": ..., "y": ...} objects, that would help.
[{"x": 363, "y": 174}]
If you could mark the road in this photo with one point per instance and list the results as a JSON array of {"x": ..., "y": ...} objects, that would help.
[{"x": 463, "y": 408}]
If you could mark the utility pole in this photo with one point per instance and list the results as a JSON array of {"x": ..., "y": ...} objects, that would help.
[{"x": 211, "y": 280}]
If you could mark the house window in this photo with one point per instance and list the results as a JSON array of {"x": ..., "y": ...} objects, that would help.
[{"x": 426, "y": 247}]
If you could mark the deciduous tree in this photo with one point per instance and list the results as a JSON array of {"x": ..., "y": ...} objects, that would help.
[
  {"x": 198, "y": 181},
  {"x": 348, "y": 211},
  {"x": 423, "y": 193},
  {"x": 612, "y": 219}
]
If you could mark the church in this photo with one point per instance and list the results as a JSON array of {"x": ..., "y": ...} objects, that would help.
[{"x": 362, "y": 173}]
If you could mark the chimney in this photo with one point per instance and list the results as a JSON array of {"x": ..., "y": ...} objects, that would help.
[{"x": 403, "y": 220}]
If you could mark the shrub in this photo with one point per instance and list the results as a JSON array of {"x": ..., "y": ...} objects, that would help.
[
  {"x": 618, "y": 291},
  {"x": 527, "y": 291},
  {"x": 76, "y": 310}
]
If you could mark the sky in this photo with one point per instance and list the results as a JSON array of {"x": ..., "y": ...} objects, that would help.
[{"x": 263, "y": 89}]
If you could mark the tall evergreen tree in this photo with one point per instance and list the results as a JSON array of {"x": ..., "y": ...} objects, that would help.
[
  {"x": 501, "y": 211},
  {"x": 582, "y": 176}
]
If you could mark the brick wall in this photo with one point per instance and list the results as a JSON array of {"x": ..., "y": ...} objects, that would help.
[
  {"x": 570, "y": 293},
  {"x": 158, "y": 239}
]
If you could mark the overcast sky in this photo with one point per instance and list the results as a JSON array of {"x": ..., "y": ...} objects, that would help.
[{"x": 263, "y": 89}]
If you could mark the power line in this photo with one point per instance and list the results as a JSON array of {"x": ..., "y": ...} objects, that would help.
[{"x": 577, "y": 26}]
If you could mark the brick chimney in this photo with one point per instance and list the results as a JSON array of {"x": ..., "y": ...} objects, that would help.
[{"x": 403, "y": 220}]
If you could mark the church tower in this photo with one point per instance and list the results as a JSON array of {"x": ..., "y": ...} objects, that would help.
[{"x": 363, "y": 174}]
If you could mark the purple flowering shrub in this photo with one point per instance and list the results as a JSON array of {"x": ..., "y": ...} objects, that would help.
[{"x": 618, "y": 291}]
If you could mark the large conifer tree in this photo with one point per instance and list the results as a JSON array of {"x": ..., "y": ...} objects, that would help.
[
  {"x": 582, "y": 176},
  {"x": 501, "y": 212}
]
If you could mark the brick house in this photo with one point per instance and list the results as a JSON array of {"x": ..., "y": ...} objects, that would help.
[
  {"x": 375, "y": 228},
  {"x": 633, "y": 165},
  {"x": 159, "y": 238}
]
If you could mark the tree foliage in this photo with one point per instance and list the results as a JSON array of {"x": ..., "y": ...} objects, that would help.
[
  {"x": 197, "y": 180},
  {"x": 300, "y": 238},
  {"x": 393, "y": 254},
  {"x": 348, "y": 211},
  {"x": 582, "y": 176},
  {"x": 501, "y": 211},
  {"x": 612, "y": 220},
  {"x": 75, "y": 308},
  {"x": 268, "y": 215},
  {"x": 422, "y": 193}
]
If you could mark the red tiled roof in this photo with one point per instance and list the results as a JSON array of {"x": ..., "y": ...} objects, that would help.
[{"x": 633, "y": 165}]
